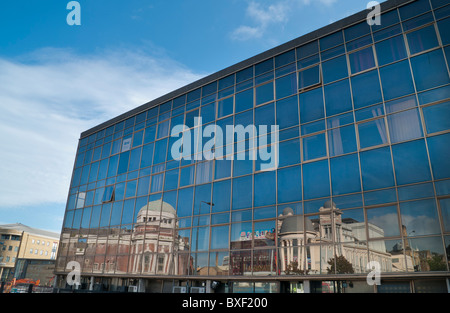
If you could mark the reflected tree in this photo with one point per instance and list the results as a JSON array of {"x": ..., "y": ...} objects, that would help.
[{"x": 340, "y": 266}]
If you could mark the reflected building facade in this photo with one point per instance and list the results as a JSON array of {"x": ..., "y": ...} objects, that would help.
[{"x": 362, "y": 170}]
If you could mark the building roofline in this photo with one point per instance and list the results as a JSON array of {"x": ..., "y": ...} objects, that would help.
[
  {"x": 30, "y": 230},
  {"x": 304, "y": 39}
]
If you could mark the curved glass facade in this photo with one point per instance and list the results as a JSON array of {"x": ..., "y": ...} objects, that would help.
[{"x": 362, "y": 166}]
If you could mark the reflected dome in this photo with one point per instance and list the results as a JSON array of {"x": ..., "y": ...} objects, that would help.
[{"x": 155, "y": 209}]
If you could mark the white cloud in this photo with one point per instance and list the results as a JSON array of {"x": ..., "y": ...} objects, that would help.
[
  {"x": 262, "y": 17},
  {"x": 273, "y": 14},
  {"x": 49, "y": 97}
]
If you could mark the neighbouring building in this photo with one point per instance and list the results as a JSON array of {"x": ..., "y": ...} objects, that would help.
[{"x": 27, "y": 252}]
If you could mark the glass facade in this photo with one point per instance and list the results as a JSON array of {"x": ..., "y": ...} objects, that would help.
[{"x": 363, "y": 166}]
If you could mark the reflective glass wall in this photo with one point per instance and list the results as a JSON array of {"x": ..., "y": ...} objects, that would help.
[{"x": 362, "y": 171}]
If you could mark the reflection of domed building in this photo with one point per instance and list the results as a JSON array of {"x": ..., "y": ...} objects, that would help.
[
  {"x": 155, "y": 243},
  {"x": 293, "y": 231},
  {"x": 300, "y": 238}
]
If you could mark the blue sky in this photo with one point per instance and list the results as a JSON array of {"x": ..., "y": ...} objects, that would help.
[{"x": 58, "y": 80}]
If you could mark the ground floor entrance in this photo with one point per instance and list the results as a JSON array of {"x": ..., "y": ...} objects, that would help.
[{"x": 148, "y": 285}]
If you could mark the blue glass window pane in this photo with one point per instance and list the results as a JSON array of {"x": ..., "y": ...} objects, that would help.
[
  {"x": 221, "y": 196},
  {"x": 289, "y": 186},
  {"x": 106, "y": 214},
  {"x": 331, "y": 40},
  {"x": 163, "y": 129},
  {"x": 396, "y": 80},
  {"x": 427, "y": 69},
  {"x": 225, "y": 107},
  {"x": 95, "y": 217},
  {"x": 264, "y": 93},
  {"x": 439, "y": 151},
  {"x": 308, "y": 61},
  {"x": 157, "y": 183},
  {"x": 147, "y": 155},
  {"x": 208, "y": 113},
  {"x": 418, "y": 21},
  {"x": 413, "y": 9},
  {"x": 405, "y": 125},
  {"x": 420, "y": 217},
  {"x": 372, "y": 133},
  {"x": 242, "y": 164},
  {"x": 204, "y": 172},
  {"x": 217, "y": 235},
  {"x": 308, "y": 49},
  {"x": 285, "y": 58},
  {"x": 309, "y": 77},
  {"x": 443, "y": 188},
  {"x": 334, "y": 69},
  {"x": 244, "y": 74},
  {"x": 331, "y": 53},
  {"x": 369, "y": 112},
  {"x": 416, "y": 192},
  {"x": 345, "y": 176},
  {"x": 265, "y": 188},
  {"x": 437, "y": 117},
  {"x": 123, "y": 162},
  {"x": 316, "y": 182},
  {"x": 411, "y": 162},
  {"x": 160, "y": 151},
  {"x": 376, "y": 169},
  {"x": 263, "y": 67},
  {"x": 286, "y": 86},
  {"x": 287, "y": 112},
  {"x": 313, "y": 127},
  {"x": 356, "y": 31},
  {"x": 366, "y": 89},
  {"x": 434, "y": 94},
  {"x": 185, "y": 200},
  {"x": 314, "y": 147},
  {"x": 86, "y": 218},
  {"x": 338, "y": 98},
  {"x": 265, "y": 115},
  {"x": 150, "y": 133},
  {"x": 202, "y": 194},
  {"x": 391, "y": 50},
  {"x": 171, "y": 180},
  {"x": 359, "y": 43},
  {"x": 385, "y": 219},
  {"x": 342, "y": 140},
  {"x": 401, "y": 104},
  {"x": 340, "y": 120},
  {"x": 444, "y": 30},
  {"x": 222, "y": 169},
  {"x": 244, "y": 100},
  {"x": 242, "y": 192},
  {"x": 187, "y": 175},
  {"x": 311, "y": 105},
  {"x": 119, "y": 191},
  {"x": 289, "y": 152},
  {"x": 361, "y": 60},
  {"x": 93, "y": 172},
  {"x": 135, "y": 159},
  {"x": 422, "y": 39},
  {"x": 131, "y": 189},
  {"x": 388, "y": 18}
]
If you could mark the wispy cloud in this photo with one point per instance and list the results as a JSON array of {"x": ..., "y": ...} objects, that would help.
[
  {"x": 263, "y": 17},
  {"x": 50, "y": 96}
]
